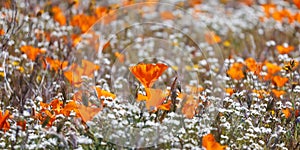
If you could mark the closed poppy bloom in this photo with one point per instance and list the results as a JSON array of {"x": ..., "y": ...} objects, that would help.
[
  {"x": 284, "y": 49},
  {"x": 4, "y": 124},
  {"x": 31, "y": 52},
  {"x": 147, "y": 74},
  {"x": 209, "y": 143},
  {"x": 278, "y": 93},
  {"x": 236, "y": 72}
]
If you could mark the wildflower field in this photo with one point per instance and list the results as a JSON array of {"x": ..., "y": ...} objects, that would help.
[{"x": 132, "y": 74}]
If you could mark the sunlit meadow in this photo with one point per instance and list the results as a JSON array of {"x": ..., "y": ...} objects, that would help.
[{"x": 131, "y": 74}]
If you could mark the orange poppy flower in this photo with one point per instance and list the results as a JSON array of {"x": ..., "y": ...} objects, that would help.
[
  {"x": 87, "y": 113},
  {"x": 209, "y": 142},
  {"x": 154, "y": 99},
  {"x": 193, "y": 3},
  {"x": 236, "y": 72},
  {"x": 147, "y": 74},
  {"x": 212, "y": 38},
  {"x": 278, "y": 93},
  {"x": 272, "y": 68},
  {"x": 297, "y": 3},
  {"x": 297, "y": 17},
  {"x": 89, "y": 68},
  {"x": 229, "y": 91},
  {"x": 55, "y": 64},
  {"x": 4, "y": 124},
  {"x": 284, "y": 49},
  {"x": 59, "y": 15},
  {"x": 104, "y": 93},
  {"x": 280, "y": 81},
  {"x": 106, "y": 15},
  {"x": 1, "y": 32},
  {"x": 261, "y": 93},
  {"x": 22, "y": 124},
  {"x": 75, "y": 39},
  {"x": 167, "y": 15},
  {"x": 120, "y": 57},
  {"x": 32, "y": 52},
  {"x": 84, "y": 22},
  {"x": 247, "y": 2},
  {"x": 189, "y": 108},
  {"x": 286, "y": 112},
  {"x": 283, "y": 14},
  {"x": 268, "y": 9},
  {"x": 73, "y": 75},
  {"x": 253, "y": 66}
]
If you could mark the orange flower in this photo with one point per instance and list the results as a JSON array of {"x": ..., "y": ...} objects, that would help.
[
  {"x": 297, "y": 3},
  {"x": 193, "y": 3},
  {"x": 212, "y": 38},
  {"x": 278, "y": 93},
  {"x": 268, "y": 9},
  {"x": 154, "y": 99},
  {"x": 253, "y": 66},
  {"x": 1, "y": 32},
  {"x": 4, "y": 124},
  {"x": 31, "y": 52},
  {"x": 73, "y": 75},
  {"x": 189, "y": 108},
  {"x": 22, "y": 124},
  {"x": 167, "y": 15},
  {"x": 236, "y": 72},
  {"x": 286, "y": 112},
  {"x": 261, "y": 93},
  {"x": 284, "y": 49},
  {"x": 229, "y": 91},
  {"x": 104, "y": 93},
  {"x": 272, "y": 68},
  {"x": 297, "y": 17},
  {"x": 89, "y": 68},
  {"x": 147, "y": 74},
  {"x": 84, "y": 22},
  {"x": 279, "y": 81},
  {"x": 106, "y": 15},
  {"x": 283, "y": 14},
  {"x": 59, "y": 15},
  {"x": 120, "y": 57},
  {"x": 75, "y": 72},
  {"x": 87, "y": 113},
  {"x": 209, "y": 142},
  {"x": 55, "y": 64}
]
